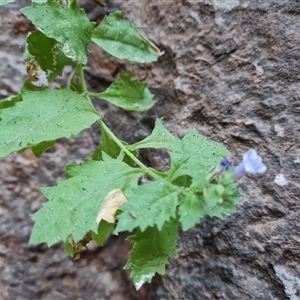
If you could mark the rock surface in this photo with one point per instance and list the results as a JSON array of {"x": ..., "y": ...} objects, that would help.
[{"x": 230, "y": 70}]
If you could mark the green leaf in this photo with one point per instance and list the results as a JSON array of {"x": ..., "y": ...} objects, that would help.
[
  {"x": 47, "y": 53},
  {"x": 73, "y": 204},
  {"x": 104, "y": 231},
  {"x": 40, "y": 148},
  {"x": 5, "y": 103},
  {"x": 194, "y": 154},
  {"x": 43, "y": 115},
  {"x": 214, "y": 194},
  {"x": 4, "y": 2},
  {"x": 217, "y": 211},
  {"x": 159, "y": 138},
  {"x": 183, "y": 181},
  {"x": 67, "y": 25},
  {"x": 110, "y": 147},
  {"x": 27, "y": 85},
  {"x": 68, "y": 248},
  {"x": 191, "y": 210},
  {"x": 128, "y": 94},
  {"x": 150, "y": 204},
  {"x": 107, "y": 145},
  {"x": 124, "y": 40},
  {"x": 150, "y": 252},
  {"x": 225, "y": 205}
]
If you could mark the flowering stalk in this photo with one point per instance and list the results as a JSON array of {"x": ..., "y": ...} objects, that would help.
[
  {"x": 219, "y": 180},
  {"x": 251, "y": 164}
]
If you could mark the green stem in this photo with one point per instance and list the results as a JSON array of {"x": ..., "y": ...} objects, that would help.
[
  {"x": 149, "y": 171},
  {"x": 128, "y": 153},
  {"x": 81, "y": 87},
  {"x": 71, "y": 77},
  {"x": 94, "y": 95},
  {"x": 82, "y": 80}
]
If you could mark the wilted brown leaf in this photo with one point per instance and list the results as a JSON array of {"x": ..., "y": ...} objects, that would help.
[{"x": 110, "y": 205}]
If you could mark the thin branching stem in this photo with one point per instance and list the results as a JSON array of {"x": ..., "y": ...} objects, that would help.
[{"x": 127, "y": 152}]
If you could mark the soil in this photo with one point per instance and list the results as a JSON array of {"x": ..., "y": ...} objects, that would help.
[{"x": 230, "y": 70}]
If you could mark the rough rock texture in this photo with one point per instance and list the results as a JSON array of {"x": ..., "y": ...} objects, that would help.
[{"x": 230, "y": 70}]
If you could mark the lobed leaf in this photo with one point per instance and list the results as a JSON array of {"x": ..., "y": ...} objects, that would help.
[
  {"x": 191, "y": 210},
  {"x": 194, "y": 154},
  {"x": 159, "y": 138},
  {"x": 67, "y": 25},
  {"x": 74, "y": 204},
  {"x": 124, "y": 40},
  {"x": 42, "y": 115},
  {"x": 150, "y": 252},
  {"x": 47, "y": 53},
  {"x": 150, "y": 204},
  {"x": 128, "y": 94}
]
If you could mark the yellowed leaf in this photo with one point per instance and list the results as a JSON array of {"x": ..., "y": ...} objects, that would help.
[{"x": 110, "y": 205}]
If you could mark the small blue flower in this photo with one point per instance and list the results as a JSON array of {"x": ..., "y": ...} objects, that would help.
[
  {"x": 251, "y": 164},
  {"x": 226, "y": 164}
]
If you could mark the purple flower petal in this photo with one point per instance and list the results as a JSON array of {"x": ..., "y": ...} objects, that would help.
[{"x": 251, "y": 164}]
